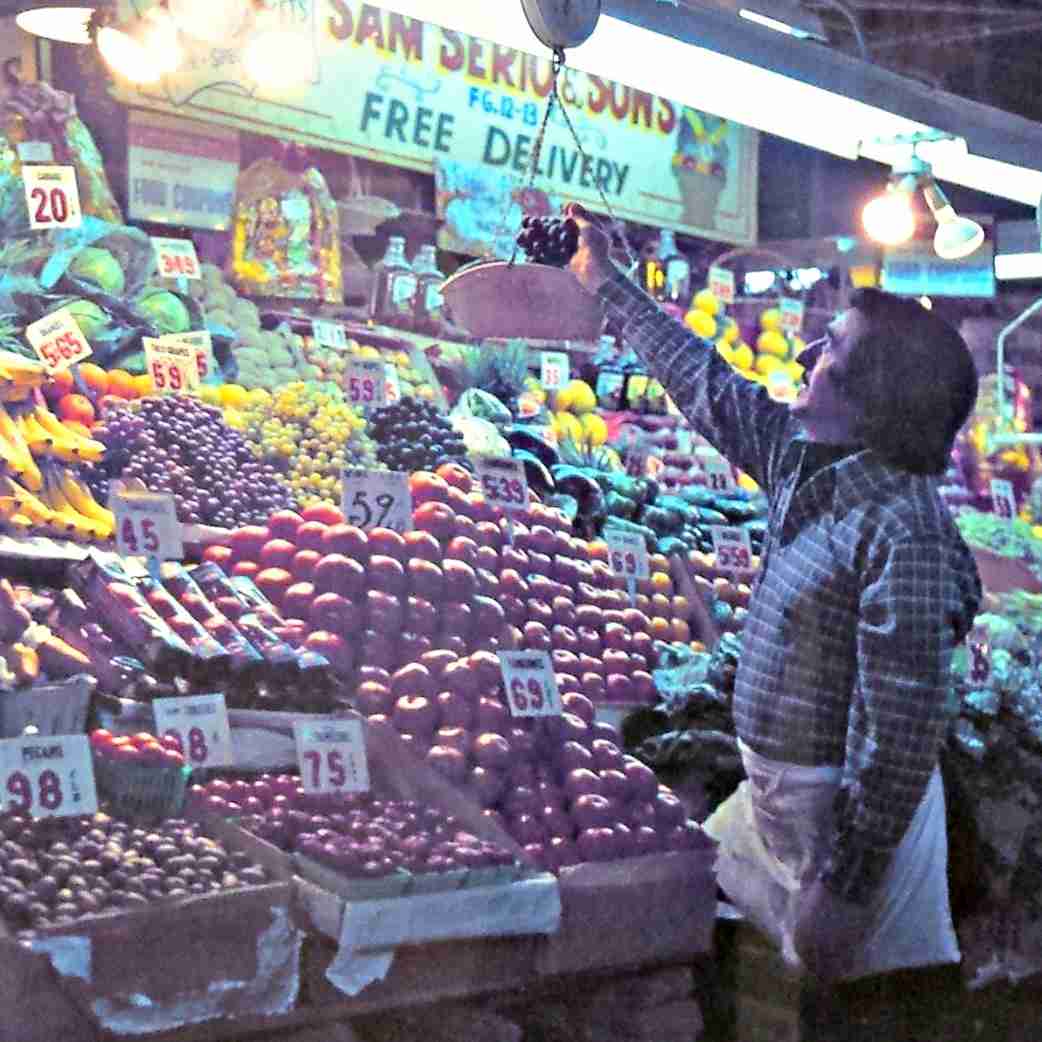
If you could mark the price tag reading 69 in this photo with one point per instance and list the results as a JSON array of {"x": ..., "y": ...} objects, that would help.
[
  {"x": 147, "y": 525},
  {"x": 331, "y": 755},
  {"x": 531, "y": 687},
  {"x": 48, "y": 777},
  {"x": 628, "y": 554},
  {"x": 365, "y": 384},
  {"x": 58, "y": 340},
  {"x": 198, "y": 724},
  {"x": 377, "y": 499},
  {"x": 503, "y": 482}
]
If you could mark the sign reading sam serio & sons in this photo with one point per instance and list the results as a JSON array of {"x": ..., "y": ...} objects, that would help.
[{"x": 409, "y": 93}]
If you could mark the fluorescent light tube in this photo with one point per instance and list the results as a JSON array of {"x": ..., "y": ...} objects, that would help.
[
  {"x": 1018, "y": 266},
  {"x": 771, "y": 23}
]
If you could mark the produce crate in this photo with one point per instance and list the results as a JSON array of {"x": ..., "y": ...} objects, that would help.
[
  {"x": 138, "y": 792},
  {"x": 59, "y": 708}
]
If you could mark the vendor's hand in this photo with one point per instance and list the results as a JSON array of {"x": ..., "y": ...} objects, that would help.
[
  {"x": 591, "y": 263},
  {"x": 830, "y": 932}
]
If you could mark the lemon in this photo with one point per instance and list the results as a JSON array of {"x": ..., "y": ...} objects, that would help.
[
  {"x": 795, "y": 371},
  {"x": 723, "y": 349},
  {"x": 701, "y": 324},
  {"x": 770, "y": 319},
  {"x": 767, "y": 364},
  {"x": 595, "y": 429},
  {"x": 210, "y": 394},
  {"x": 747, "y": 483},
  {"x": 233, "y": 395},
  {"x": 581, "y": 396},
  {"x": 771, "y": 342},
  {"x": 731, "y": 331},
  {"x": 742, "y": 356},
  {"x": 707, "y": 301},
  {"x": 568, "y": 426}
]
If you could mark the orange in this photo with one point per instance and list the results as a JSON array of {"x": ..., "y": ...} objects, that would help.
[
  {"x": 598, "y": 550},
  {"x": 76, "y": 407},
  {"x": 662, "y": 582},
  {"x": 143, "y": 385},
  {"x": 643, "y": 602},
  {"x": 659, "y": 563},
  {"x": 661, "y": 605},
  {"x": 661, "y": 628},
  {"x": 96, "y": 379},
  {"x": 681, "y": 631},
  {"x": 60, "y": 384},
  {"x": 121, "y": 384},
  {"x": 681, "y": 608}
]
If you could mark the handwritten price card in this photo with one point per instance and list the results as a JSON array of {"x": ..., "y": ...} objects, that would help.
[
  {"x": 48, "y": 777},
  {"x": 199, "y": 725},
  {"x": 531, "y": 687},
  {"x": 332, "y": 756}
]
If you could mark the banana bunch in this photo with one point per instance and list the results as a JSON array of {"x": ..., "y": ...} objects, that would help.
[
  {"x": 65, "y": 508},
  {"x": 16, "y": 459},
  {"x": 47, "y": 437},
  {"x": 19, "y": 376}
]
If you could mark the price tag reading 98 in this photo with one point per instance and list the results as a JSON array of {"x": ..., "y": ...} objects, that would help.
[
  {"x": 377, "y": 499},
  {"x": 503, "y": 483},
  {"x": 173, "y": 366},
  {"x": 198, "y": 725},
  {"x": 734, "y": 552},
  {"x": 147, "y": 525},
  {"x": 365, "y": 384},
  {"x": 628, "y": 554},
  {"x": 176, "y": 258},
  {"x": 58, "y": 340},
  {"x": 331, "y": 756},
  {"x": 530, "y": 684},
  {"x": 48, "y": 777},
  {"x": 1003, "y": 499}
]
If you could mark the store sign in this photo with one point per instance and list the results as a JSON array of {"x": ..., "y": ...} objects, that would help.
[
  {"x": 180, "y": 171},
  {"x": 915, "y": 270},
  {"x": 400, "y": 91}
]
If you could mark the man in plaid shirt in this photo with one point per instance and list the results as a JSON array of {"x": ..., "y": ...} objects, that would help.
[{"x": 866, "y": 588}]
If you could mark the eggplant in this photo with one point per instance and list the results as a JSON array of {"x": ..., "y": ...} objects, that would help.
[
  {"x": 539, "y": 477},
  {"x": 524, "y": 438},
  {"x": 571, "y": 481}
]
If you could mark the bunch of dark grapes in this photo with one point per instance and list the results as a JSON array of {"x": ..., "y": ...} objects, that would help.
[
  {"x": 178, "y": 444},
  {"x": 549, "y": 240},
  {"x": 412, "y": 435}
]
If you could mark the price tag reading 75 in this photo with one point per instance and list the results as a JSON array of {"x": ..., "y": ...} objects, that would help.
[
  {"x": 734, "y": 552},
  {"x": 628, "y": 554},
  {"x": 503, "y": 482},
  {"x": 331, "y": 756},
  {"x": 48, "y": 777},
  {"x": 531, "y": 687}
]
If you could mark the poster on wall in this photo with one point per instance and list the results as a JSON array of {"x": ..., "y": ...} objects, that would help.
[
  {"x": 180, "y": 171},
  {"x": 380, "y": 85}
]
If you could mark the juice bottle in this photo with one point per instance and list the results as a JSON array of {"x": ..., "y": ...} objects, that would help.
[{"x": 394, "y": 288}]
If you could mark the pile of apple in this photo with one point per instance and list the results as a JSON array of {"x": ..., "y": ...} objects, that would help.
[
  {"x": 380, "y": 599},
  {"x": 142, "y": 749}
]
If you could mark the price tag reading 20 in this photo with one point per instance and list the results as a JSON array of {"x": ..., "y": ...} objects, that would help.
[
  {"x": 331, "y": 755},
  {"x": 48, "y": 777},
  {"x": 531, "y": 687},
  {"x": 377, "y": 499},
  {"x": 734, "y": 552},
  {"x": 503, "y": 482},
  {"x": 147, "y": 525},
  {"x": 199, "y": 726},
  {"x": 365, "y": 384}
]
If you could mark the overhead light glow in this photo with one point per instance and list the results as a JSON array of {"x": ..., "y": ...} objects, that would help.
[
  {"x": 144, "y": 54},
  {"x": 759, "y": 281},
  {"x": 888, "y": 219},
  {"x": 279, "y": 59},
  {"x": 62, "y": 24},
  {"x": 956, "y": 236}
]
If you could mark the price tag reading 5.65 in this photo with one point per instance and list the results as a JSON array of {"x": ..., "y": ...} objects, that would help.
[
  {"x": 377, "y": 499},
  {"x": 198, "y": 724},
  {"x": 176, "y": 258},
  {"x": 628, "y": 554},
  {"x": 58, "y": 340},
  {"x": 365, "y": 384},
  {"x": 503, "y": 482},
  {"x": 52, "y": 197},
  {"x": 331, "y": 755},
  {"x": 173, "y": 366},
  {"x": 48, "y": 777},
  {"x": 147, "y": 525},
  {"x": 531, "y": 687},
  {"x": 734, "y": 552}
]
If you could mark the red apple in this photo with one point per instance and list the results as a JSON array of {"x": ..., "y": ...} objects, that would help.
[
  {"x": 540, "y": 611},
  {"x": 607, "y": 755},
  {"x": 426, "y": 580},
  {"x": 565, "y": 638},
  {"x": 412, "y": 645},
  {"x": 642, "y": 684},
  {"x": 492, "y": 715},
  {"x": 414, "y": 679},
  {"x": 567, "y": 683},
  {"x": 488, "y": 617},
  {"x": 669, "y": 811},
  {"x": 646, "y": 840},
  {"x": 455, "y": 710},
  {"x": 615, "y": 661},
  {"x": 487, "y": 784},
  {"x": 422, "y": 545},
  {"x": 303, "y": 564},
  {"x": 388, "y": 543},
  {"x": 513, "y": 559},
  {"x": 461, "y": 582},
  {"x": 593, "y": 686},
  {"x": 541, "y": 588},
  {"x": 589, "y": 616},
  {"x": 277, "y": 553},
  {"x": 415, "y": 714},
  {"x": 454, "y": 737},
  {"x": 459, "y": 677},
  {"x": 421, "y": 616},
  {"x": 582, "y": 781},
  {"x": 384, "y": 612},
  {"x": 461, "y": 548},
  {"x": 449, "y": 762},
  {"x": 326, "y": 513},
  {"x": 488, "y": 558},
  {"x": 337, "y": 650},
  {"x": 297, "y": 601},
  {"x": 372, "y": 698},
  {"x": 573, "y": 756},
  {"x": 283, "y": 524},
  {"x": 615, "y": 785},
  {"x": 514, "y": 609},
  {"x": 330, "y": 611},
  {"x": 536, "y": 637},
  {"x": 437, "y": 519},
  {"x": 452, "y": 642},
  {"x": 492, "y": 751},
  {"x": 591, "y": 810},
  {"x": 617, "y": 688},
  {"x": 564, "y": 662},
  {"x": 642, "y": 778},
  {"x": 590, "y": 664},
  {"x": 580, "y": 706},
  {"x": 456, "y": 620},
  {"x": 488, "y": 583},
  {"x": 245, "y": 543},
  {"x": 346, "y": 539},
  {"x": 375, "y": 675},
  {"x": 309, "y": 536},
  {"x": 273, "y": 583},
  {"x": 386, "y": 575},
  {"x": 437, "y": 662},
  {"x": 488, "y": 533}
]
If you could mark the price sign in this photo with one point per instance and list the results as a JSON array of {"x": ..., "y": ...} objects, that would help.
[
  {"x": 979, "y": 647},
  {"x": 503, "y": 482},
  {"x": 35, "y": 151},
  {"x": 791, "y": 311},
  {"x": 147, "y": 525},
  {"x": 1003, "y": 501},
  {"x": 58, "y": 340},
  {"x": 48, "y": 777},
  {"x": 530, "y": 684},
  {"x": 176, "y": 258},
  {"x": 328, "y": 334},
  {"x": 721, "y": 284},
  {"x": 553, "y": 370},
  {"x": 202, "y": 344},
  {"x": 627, "y": 554},
  {"x": 172, "y": 364},
  {"x": 366, "y": 383},
  {"x": 377, "y": 499},
  {"x": 733, "y": 550},
  {"x": 52, "y": 197},
  {"x": 331, "y": 755},
  {"x": 393, "y": 387},
  {"x": 199, "y": 726},
  {"x": 719, "y": 476}
]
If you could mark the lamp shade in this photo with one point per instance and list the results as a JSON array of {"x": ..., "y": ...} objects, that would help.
[
  {"x": 57, "y": 22},
  {"x": 956, "y": 236}
]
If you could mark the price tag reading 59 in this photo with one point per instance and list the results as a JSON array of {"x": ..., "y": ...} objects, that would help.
[
  {"x": 531, "y": 687},
  {"x": 58, "y": 340},
  {"x": 173, "y": 366},
  {"x": 377, "y": 499},
  {"x": 365, "y": 383},
  {"x": 48, "y": 777},
  {"x": 503, "y": 482},
  {"x": 331, "y": 755},
  {"x": 628, "y": 554},
  {"x": 198, "y": 724},
  {"x": 147, "y": 525}
]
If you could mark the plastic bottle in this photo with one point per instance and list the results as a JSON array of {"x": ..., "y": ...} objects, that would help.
[
  {"x": 608, "y": 378},
  {"x": 429, "y": 305},
  {"x": 394, "y": 287},
  {"x": 667, "y": 274}
]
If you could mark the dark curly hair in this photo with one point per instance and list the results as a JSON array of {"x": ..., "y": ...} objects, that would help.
[{"x": 913, "y": 377}]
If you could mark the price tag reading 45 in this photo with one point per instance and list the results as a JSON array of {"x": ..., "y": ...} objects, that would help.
[
  {"x": 331, "y": 755},
  {"x": 48, "y": 777},
  {"x": 365, "y": 384},
  {"x": 52, "y": 197},
  {"x": 176, "y": 258},
  {"x": 1003, "y": 499},
  {"x": 199, "y": 726},
  {"x": 503, "y": 482},
  {"x": 58, "y": 340},
  {"x": 147, "y": 525},
  {"x": 531, "y": 687},
  {"x": 553, "y": 370},
  {"x": 377, "y": 499},
  {"x": 628, "y": 554},
  {"x": 734, "y": 552},
  {"x": 173, "y": 366}
]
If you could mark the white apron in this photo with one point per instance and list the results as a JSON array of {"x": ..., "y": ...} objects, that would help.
[{"x": 773, "y": 834}]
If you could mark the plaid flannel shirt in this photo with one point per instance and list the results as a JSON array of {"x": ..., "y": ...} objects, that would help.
[{"x": 866, "y": 588}]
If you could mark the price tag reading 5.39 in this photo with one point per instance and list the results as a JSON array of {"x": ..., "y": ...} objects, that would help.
[
  {"x": 734, "y": 552},
  {"x": 48, "y": 777},
  {"x": 147, "y": 525},
  {"x": 173, "y": 366},
  {"x": 331, "y": 755},
  {"x": 176, "y": 258},
  {"x": 503, "y": 482},
  {"x": 58, "y": 340},
  {"x": 198, "y": 724},
  {"x": 377, "y": 499},
  {"x": 365, "y": 384},
  {"x": 628, "y": 554},
  {"x": 531, "y": 687}
]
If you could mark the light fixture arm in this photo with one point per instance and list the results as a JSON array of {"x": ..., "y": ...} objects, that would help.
[
  {"x": 855, "y": 24},
  {"x": 999, "y": 440}
]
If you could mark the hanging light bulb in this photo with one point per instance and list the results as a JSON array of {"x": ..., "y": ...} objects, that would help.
[
  {"x": 144, "y": 54},
  {"x": 63, "y": 24},
  {"x": 279, "y": 59},
  {"x": 955, "y": 236},
  {"x": 888, "y": 219}
]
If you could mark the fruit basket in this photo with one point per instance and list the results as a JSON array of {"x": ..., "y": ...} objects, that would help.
[
  {"x": 531, "y": 301},
  {"x": 141, "y": 792},
  {"x": 58, "y": 708}
]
